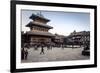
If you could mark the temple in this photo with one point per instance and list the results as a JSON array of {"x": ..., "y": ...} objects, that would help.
[{"x": 39, "y": 30}]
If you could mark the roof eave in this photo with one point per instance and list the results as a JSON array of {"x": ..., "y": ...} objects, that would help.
[
  {"x": 32, "y": 24},
  {"x": 33, "y": 16}
]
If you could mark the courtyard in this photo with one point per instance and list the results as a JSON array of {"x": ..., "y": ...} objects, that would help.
[{"x": 55, "y": 54}]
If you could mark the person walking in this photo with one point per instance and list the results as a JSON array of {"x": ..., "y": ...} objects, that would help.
[{"x": 42, "y": 49}]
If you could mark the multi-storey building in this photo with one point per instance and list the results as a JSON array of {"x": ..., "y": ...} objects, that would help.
[
  {"x": 79, "y": 38},
  {"x": 39, "y": 30}
]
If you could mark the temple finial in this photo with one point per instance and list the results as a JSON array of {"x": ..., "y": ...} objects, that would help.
[{"x": 40, "y": 14}]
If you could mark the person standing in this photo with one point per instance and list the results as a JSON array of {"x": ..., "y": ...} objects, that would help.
[
  {"x": 26, "y": 54},
  {"x": 22, "y": 53}
]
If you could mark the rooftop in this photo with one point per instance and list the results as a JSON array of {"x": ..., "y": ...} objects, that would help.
[
  {"x": 34, "y": 16},
  {"x": 38, "y": 33},
  {"x": 80, "y": 33},
  {"x": 37, "y": 24}
]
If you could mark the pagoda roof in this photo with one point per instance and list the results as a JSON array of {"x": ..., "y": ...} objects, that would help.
[
  {"x": 38, "y": 24},
  {"x": 38, "y": 33},
  {"x": 34, "y": 16}
]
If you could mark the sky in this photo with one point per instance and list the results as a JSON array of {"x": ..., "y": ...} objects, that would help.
[{"x": 63, "y": 23}]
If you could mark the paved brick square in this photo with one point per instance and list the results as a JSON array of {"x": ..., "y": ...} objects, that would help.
[{"x": 55, "y": 54}]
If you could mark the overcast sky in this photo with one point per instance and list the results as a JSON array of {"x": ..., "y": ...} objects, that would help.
[{"x": 62, "y": 22}]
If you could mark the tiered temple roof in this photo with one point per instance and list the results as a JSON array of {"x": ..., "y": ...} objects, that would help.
[
  {"x": 39, "y": 21},
  {"x": 40, "y": 16},
  {"x": 37, "y": 33},
  {"x": 38, "y": 24}
]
